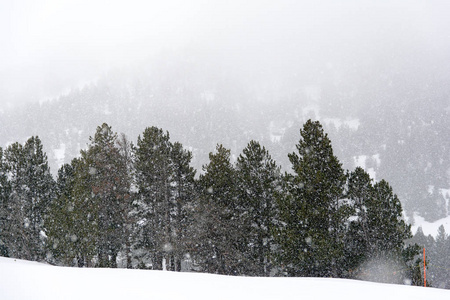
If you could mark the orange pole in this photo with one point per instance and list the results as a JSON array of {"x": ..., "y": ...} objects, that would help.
[{"x": 424, "y": 270}]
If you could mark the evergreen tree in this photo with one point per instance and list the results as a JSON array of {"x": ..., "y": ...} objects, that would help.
[
  {"x": 88, "y": 218},
  {"x": 411, "y": 271},
  {"x": 16, "y": 235},
  {"x": 32, "y": 191},
  {"x": 385, "y": 219},
  {"x": 84, "y": 213},
  {"x": 384, "y": 236},
  {"x": 220, "y": 242},
  {"x": 154, "y": 172},
  {"x": 376, "y": 237},
  {"x": 312, "y": 210},
  {"x": 110, "y": 190},
  {"x": 258, "y": 180},
  {"x": 184, "y": 195},
  {"x": 420, "y": 239},
  {"x": 418, "y": 242},
  {"x": 63, "y": 223},
  {"x": 440, "y": 254},
  {"x": 41, "y": 192},
  {"x": 127, "y": 161},
  {"x": 5, "y": 190},
  {"x": 165, "y": 201},
  {"x": 358, "y": 240}
]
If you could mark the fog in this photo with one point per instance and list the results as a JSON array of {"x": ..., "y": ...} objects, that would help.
[{"x": 51, "y": 46}]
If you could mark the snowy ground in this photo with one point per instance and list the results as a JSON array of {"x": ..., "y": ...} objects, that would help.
[
  {"x": 430, "y": 228},
  {"x": 29, "y": 280}
]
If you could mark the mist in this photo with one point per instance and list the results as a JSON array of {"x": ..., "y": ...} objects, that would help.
[
  {"x": 50, "y": 47},
  {"x": 373, "y": 72}
]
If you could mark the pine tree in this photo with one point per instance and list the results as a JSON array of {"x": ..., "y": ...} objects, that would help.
[
  {"x": 413, "y": 257},
  {"x": 312, "y": 210},
  {"x": 385, "y": 219},
  {"x": 41, "y": 191},
  {"x": 83, "y": 208},
  {"x": 89, "y": 216},
  {"x": 358, "y": 240},
  {"x": 62, "y": 226},
  {"x": 16, "y": 233},
  {"x": 258, "y": 180},
  {"x": 220, "y": 241},
  {"x": 5, "y": 190},
  {"x": 441, "y": 253},
  {"x": 110, "y": 190},
  {"x": 127, "y": 157},
  {"x": 419, "y": 238},
  {"x": 32, "y": 191},
  {"x": 184, "y": 195},
  {"x": 165, "y": 201},
  {"x": 376, "y": 238},
  {"x": 154, "y": 171}
]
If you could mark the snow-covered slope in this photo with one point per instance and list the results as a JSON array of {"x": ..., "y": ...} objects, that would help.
[
  {"x": 28, "y": 280},
  {"x": 430, "y": 228}
]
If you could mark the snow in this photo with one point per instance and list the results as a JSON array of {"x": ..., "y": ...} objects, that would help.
[
  {"x": 276, "y": 131},
  {"x": 352, "y": 124},
  {"x": 30, "y": 280},
  {"x": 360, "y": 161},
  {"x": 310, "y": 111},
  {"x": 312, "y": 92},
  {"x": 430, "y": 228},
  {"x": 446, "y": 194},
  {"x": 208, "y": 96},
  {"x": 60, "y": 154}
]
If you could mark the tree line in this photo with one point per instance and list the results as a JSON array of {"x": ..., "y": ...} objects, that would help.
[
  {"x": 141, "y": 205},
  {"x": 437, "y": 252}
]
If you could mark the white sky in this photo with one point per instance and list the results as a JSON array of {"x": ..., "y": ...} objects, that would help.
[{"x": 49, "y": 45}]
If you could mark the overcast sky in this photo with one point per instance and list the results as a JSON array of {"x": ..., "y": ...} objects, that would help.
[{"x": 49, "y": 46}]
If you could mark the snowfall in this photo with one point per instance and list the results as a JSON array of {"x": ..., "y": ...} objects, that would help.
[
  {"x": 431, "y": 228},
  {"x": 31, "y": 280}
]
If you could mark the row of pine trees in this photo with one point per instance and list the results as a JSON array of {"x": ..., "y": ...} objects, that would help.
[
  {"x": 141, "y": 205},
  {"x": 437, "y": 253}
]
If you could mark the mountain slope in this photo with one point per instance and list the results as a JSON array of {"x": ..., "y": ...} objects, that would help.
[{"x": 400, "y": 134}]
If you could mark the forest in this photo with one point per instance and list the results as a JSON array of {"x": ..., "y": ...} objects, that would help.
[{"x": 121, "y": 204}]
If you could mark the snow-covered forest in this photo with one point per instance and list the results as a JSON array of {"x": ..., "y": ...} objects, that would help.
[
  {"x": 405, "y": 142},
  {"x": 120, "y": 204}
]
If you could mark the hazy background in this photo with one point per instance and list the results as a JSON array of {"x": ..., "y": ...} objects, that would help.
[
  {"x": 50, "y": 46},
  {"x": 374, "y": 73}
]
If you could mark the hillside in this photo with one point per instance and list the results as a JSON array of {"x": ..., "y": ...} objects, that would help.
[{"x": 203, "y": 103}]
